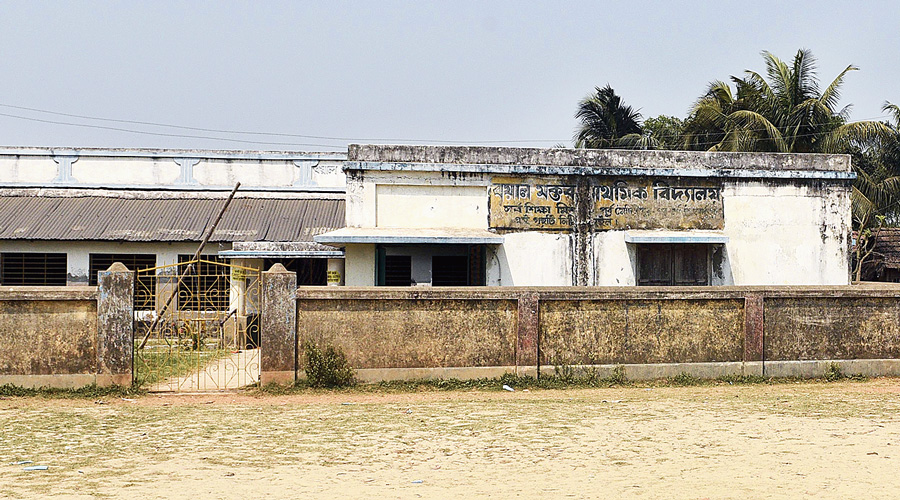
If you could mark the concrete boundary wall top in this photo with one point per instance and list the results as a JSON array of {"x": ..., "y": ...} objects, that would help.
[
  {"x": 596, "y": 293},
  {"x": 48, "y": 293},
  {"x": 598, "y": 158}
]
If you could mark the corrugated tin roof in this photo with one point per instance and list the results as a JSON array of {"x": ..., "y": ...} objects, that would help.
[{"x": 169, "y": 219}]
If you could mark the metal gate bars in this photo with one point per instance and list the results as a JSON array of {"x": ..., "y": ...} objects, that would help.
[{"x": 196, "y": 326}]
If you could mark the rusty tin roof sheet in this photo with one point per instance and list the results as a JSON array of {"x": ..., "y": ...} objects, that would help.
[{"x": 126, "y": 219}]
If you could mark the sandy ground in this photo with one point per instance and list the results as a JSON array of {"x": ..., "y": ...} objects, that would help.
[
  {"x": 240, "y": 369},
  {"x": 809, "y": 440}
]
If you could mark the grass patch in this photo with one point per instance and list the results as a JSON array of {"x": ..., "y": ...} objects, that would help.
[
  {"x": 153, "y": 366},
  {"x": 833, "y": 373},
  {"x": 328, "y": 367},
  {"x": 561, "y": 379},
  {"x": 92, "y": 391}
]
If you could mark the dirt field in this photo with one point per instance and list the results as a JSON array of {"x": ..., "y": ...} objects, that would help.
[{"x": 817, "y": 440}]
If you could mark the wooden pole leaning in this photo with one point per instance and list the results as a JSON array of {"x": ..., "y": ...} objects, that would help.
[{"x": 190, "y": 267}]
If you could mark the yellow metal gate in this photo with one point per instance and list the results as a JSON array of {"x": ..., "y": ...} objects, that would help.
[{"x": 196, "y": 326}]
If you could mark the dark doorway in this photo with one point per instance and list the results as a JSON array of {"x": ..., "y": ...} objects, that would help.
[{"x": 310, "y": 272}]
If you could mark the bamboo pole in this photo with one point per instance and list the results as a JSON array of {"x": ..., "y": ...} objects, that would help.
[{"x": 190, "y": 266}]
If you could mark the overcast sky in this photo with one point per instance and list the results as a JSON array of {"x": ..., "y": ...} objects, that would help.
[{"x": 402, "y": 72}]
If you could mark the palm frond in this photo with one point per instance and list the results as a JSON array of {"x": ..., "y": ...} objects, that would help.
[
  {"x": 894, "y": 110},
  {"x": 844, "y": 136},
  {"x": 831, "y": 95},
  {"x": 760, "y": 83},
  {"x": 862, "y": 207},
  {"x": 779, "y": 74},
  {"x": 751, "y": 120},
  {"x": 638, "y": 141},
  {"x": 804, "y": 82},
  {"x": 604, "y": 118}
]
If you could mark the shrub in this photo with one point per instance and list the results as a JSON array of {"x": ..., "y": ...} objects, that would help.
[
  {"x": 833, "y": 373},
  {"x": 618, "y": 376},
  {"x": 564, "y": 373},
  {"x": 327, "y": 367},
  {"x": 685, "y": 379}
]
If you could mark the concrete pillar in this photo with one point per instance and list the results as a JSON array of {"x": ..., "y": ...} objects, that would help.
[
  {"x": 335, "y": 274},
  {"x": 754, "y": 334},
  {"x": 115, "y": 325},
  {"x": 528, "y": 327},
  {"x": 278, "y": 327}
]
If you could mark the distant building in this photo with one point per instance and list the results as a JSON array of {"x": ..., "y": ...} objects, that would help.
[
  {"x": 883, "y": 264},
  {"x": 65, "y": 214},
  {"x": 435, "y": 216},
  {"x": 432, "y": 216}
]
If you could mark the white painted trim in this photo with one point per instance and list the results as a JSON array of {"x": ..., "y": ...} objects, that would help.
[{"x": 675, "y": 237}]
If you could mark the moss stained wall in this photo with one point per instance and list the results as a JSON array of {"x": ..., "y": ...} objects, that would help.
[
  {"x": 413, "y": 328},
  {"x": 417, "y": 333},
  {"x": 48, "y": 337},
  {"x": 818, "y": 328},
  {"x": 640, "y": 331}
]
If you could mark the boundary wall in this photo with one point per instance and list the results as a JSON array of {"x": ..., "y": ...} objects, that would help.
[
  {"x": 68, "y": 336},
  {"x": 76, "y": 336},
  {"x": 408, "y": 333}
]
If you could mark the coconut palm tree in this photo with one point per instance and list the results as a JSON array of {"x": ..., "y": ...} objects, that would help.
[
  {"x": 786, "y": 112},
  {"x": 606, "y": 121},
  {"x": 875, "y": 196},
  {"x": 876, "y": 190},
  {"x": 891, "y": 144}
]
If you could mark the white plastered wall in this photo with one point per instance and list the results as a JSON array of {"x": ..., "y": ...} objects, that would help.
[
  {"x": 430, "y": 206},
  {"x": 780, "y": 232},
  {"x": 613, "y": 263},
  {"x": 531, "y": 259},
  {"x": 787, "y": 234},
  {"x": 417, "y": 200},
  {"x": 129, "y": 171},
  {"x": 359, "y": 265},
  {"x": 124, "y": 171}
]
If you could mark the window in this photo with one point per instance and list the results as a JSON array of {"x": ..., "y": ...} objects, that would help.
[
  {"x": 673, "y": 264},
  {"x": 310, "y": 272},
  {"x": 449, "y": 270},
  {"x": 207, "y": 286},
  {"x": 435, "y": 265},
  {"x": 33, "y": 269},
  {"x": 397, "y": 270},
  {"x": 144, "y": 284}
]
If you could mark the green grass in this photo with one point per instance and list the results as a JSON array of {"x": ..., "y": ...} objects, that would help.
[
  {"x": 153, "y": 366},
  {"x": 92, "y": 391},
  {"x": 561, "y": 379}
]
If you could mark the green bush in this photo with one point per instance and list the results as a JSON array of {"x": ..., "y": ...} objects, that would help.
[
  {"x": 327, "y": 367},
  {"x": 833, "y": 373},
  {"x": 685, "y": 379},
  {"x": 618, "y": 376},
  {"x": 89, "y": 391},
  {"x": 564, "y": 373}
]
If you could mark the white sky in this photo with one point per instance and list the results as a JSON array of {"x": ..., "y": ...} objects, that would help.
[{"x": 416, "y": 71}]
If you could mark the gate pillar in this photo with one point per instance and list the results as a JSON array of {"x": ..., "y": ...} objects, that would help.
[
  {"x": 115, "y": 325},
  {"x": 278, "y": 327}
]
